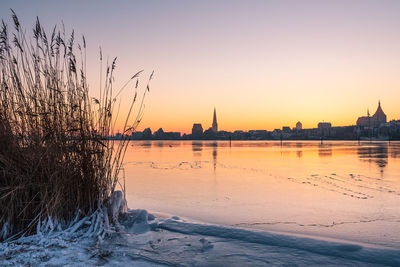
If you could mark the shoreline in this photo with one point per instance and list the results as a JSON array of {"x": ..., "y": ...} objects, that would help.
[
  {"x": 324, "y": 237},
  {"x": 147, "y": 240},
  {"x": 271, "y": 140}
]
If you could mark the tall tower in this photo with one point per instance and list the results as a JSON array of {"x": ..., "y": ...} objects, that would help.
[{"x": 215, "y": 124}]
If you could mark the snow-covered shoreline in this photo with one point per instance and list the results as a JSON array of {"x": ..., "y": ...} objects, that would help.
[{"x": 147, "y": 240}]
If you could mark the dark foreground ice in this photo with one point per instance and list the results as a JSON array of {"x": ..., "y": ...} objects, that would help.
[{"x": 144, "y": 240}]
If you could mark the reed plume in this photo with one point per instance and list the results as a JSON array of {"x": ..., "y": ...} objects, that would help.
[{"x": 55, "y": 154}]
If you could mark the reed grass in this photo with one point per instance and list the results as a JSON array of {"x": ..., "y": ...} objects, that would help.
[{"x": 55, "y": 157}]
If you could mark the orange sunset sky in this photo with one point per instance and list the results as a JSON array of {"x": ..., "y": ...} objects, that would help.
[{"x": 262, "y": 64}]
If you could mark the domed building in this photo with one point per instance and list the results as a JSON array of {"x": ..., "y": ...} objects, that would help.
[
  {"x": 299, "y": 126},
  {"x": 379, "y": 115},
  {"x": 375, "y": 121}
]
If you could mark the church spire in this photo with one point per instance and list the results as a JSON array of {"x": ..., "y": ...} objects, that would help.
[{"x": 215, "y": 124}]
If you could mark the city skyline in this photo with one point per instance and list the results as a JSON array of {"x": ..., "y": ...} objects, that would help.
[
  {"x": 263, "y": 65},
  {"x": 360, "y": 121},
  {"x": 375, "y": 127}
]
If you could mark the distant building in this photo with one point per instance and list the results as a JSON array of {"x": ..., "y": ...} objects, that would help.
[
  {"x": 147, "y": 133},
  {"x": 375, "y": 121},
  {"x": 324, "y": 125},
  {"x": 258, "y": 134},
  {"x": 299, "y": 126},
  {"x": 137, "y": 135},
  {"x": 197, "y": 129},
  {"x": 286, "y": 129},
  {"x": 214, "y": 124},
  {"x": 172, "y": 135},
  {"x": 324, "y": 128},
  {"x": 276, "y": 133},
  {"x": 209, "y": 134},
  {"x": 159, "y": 134}
]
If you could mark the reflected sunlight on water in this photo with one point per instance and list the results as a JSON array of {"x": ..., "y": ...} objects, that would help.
[{"x": 338, "y": 189}]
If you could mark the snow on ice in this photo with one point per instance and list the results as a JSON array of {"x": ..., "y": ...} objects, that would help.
[{"x": 145, "y": 240}]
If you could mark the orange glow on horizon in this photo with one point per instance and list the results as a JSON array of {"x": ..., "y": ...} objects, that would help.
[{"x": 263, "y": 66}]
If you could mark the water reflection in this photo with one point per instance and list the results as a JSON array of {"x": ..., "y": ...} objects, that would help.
[
  {"x": 324, "y": 151},
  {"x": 159, "y": 144},
  {"x": 299, "y": 152},
  {"x": 146, "y": 144},
  {"x": 197, "y": 148},
  {"x": 377, "y": 153},
  {"x": 214, "y": 154},
  {"x": 394, "y": 151}
]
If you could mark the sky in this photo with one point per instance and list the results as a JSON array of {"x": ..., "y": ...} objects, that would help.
[{"x": 261, "y": 64}]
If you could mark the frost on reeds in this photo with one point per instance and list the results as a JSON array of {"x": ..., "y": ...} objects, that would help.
[{"x": 55, "y": 157}]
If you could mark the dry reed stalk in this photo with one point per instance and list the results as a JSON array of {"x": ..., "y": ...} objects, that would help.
[{"x": 55, "y": 157}]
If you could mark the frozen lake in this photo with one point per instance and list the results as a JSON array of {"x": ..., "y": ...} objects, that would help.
[{"x": 337, "y": 190}]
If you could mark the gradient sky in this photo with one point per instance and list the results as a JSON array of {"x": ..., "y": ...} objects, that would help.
[{"x": 262, "y": 64}]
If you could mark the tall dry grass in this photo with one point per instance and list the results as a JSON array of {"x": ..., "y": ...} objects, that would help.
[{"x": 55, "y": 158}]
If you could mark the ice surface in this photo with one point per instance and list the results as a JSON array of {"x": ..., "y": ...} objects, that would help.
[
  {"x": 340, "y": 250},
  {"x": 334, "y": 190},
  {"x": 145, "y": 240}
]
